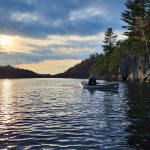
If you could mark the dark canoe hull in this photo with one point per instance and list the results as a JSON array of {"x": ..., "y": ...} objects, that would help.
[{"x": 113, "y": 86}]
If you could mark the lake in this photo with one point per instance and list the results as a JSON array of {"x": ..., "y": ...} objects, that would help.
[{"x": 56, "y": 114}]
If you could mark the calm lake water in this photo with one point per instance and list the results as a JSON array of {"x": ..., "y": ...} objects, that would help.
[{"x": 56, "y": 114}]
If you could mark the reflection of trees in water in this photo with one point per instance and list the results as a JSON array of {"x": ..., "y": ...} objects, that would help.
[
  {"x": 125, "y": 115},
  {"x": 139, "y": 116},
  {"x": 111, "y": 119}
]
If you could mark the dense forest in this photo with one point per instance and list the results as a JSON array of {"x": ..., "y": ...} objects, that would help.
[{"x": 137, "y": 25}]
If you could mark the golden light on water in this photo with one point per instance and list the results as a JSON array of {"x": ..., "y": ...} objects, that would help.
[{"x": 6, "y": 100}]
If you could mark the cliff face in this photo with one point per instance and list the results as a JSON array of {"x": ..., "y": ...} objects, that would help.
[{"x": 135, "y": 68}]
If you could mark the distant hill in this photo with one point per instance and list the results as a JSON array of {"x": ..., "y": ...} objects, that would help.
[
  {"x": 12, "y": 72},
  {"x": 81, "y": 70}
]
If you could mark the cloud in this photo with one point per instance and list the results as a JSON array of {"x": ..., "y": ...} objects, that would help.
[
  {"x": 15, "y": 58},
  {"x": 28, "y": 50},
  {"x": 24, "y": 17},
  {"x": 38, "y": 19},
  {"x": 87, "y": 13},
  {"x": 40, "y": 30}
]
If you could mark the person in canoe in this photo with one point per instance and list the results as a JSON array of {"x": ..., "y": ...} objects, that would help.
[{"x": 92, "y": 80}]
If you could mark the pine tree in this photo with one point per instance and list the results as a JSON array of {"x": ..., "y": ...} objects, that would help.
[
  {"x": 137, "y": 17},
  {"x": 110, "y": 40},
  {"x": 135, "y": 10}
]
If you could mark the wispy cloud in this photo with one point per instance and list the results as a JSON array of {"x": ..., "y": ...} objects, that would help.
[
  {"x": 28, "y": 50},
  {"x": 24, "y": 17},
  {"x": 87, "y": 13}
]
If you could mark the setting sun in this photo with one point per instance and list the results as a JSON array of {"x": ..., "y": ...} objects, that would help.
[{"x": 5, "y": 41}]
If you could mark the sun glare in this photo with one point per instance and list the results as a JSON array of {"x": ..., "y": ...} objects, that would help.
[{"x": 5, "y": 41}]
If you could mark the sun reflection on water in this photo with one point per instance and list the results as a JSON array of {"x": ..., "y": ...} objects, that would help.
[{"x": 6, "y": 100}]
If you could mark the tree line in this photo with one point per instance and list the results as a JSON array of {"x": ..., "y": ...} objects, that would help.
[{"x": 137, "y": 25}]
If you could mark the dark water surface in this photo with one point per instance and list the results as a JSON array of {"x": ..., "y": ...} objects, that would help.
[{"x": 56, "y": 114}]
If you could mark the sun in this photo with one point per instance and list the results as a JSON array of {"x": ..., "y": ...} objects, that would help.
[{"x": 5, "y": 40}]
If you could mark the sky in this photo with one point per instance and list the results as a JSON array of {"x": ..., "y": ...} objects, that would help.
[{"x": 49, "y": 36}]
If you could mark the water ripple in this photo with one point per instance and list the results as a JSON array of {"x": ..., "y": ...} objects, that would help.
[{"x": 57, "y": 114}]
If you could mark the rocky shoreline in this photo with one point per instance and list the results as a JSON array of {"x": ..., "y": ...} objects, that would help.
[{"x": 135, "y": 68}]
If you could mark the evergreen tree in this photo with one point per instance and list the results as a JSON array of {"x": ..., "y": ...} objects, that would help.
[
  {"x": 109, "y": 41},
  {"x": 137, "y": 17},
  {"x": 135, "y": 10}
]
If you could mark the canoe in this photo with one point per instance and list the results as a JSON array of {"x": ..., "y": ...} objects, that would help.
[{"x": 110, "y": 86}]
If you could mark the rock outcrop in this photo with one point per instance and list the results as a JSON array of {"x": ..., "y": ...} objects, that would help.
[{"x": 135, "y": 68}]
